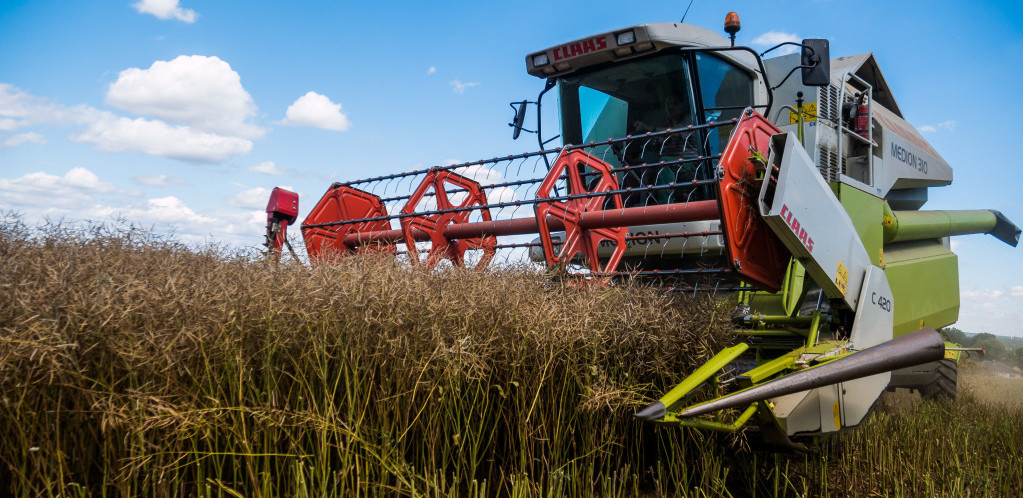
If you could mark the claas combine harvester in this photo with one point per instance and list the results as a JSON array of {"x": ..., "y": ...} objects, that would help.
[{"x": 791, "y": 184}]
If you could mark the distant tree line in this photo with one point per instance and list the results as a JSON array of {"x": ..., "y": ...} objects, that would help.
[{"x": 995, "y": 347}]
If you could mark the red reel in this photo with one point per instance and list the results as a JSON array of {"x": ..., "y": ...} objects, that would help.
[
  {"x": 586, "y": 175},
  {"x": 449, "y": 212},
  {"x": 342, "y": 203},
  {"x": 756, "y": 253}
]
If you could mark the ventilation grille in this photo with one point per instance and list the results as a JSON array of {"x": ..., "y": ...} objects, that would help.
[
  {"x": 829, "y": 112},
  {"x": 828, "y": 106},
  {"x": 827, "y": 161}
]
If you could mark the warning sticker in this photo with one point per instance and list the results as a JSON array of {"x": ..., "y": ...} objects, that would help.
[
  {"x": 838, "y": 415},
  {"x": 842, "y": 277},
  {"x": 809, "y": 114}
]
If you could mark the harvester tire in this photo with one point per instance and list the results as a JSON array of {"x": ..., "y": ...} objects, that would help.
[{"x": 945, "y": 379}]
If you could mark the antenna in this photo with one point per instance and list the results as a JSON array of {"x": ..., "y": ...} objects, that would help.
[{"x": 687, "y": 11}]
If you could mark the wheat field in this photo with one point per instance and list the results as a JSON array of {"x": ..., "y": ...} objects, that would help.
[{"x": 132, "y": 365}]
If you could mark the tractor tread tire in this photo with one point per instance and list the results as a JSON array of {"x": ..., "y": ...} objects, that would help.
[{"x": 945, "y": 381}]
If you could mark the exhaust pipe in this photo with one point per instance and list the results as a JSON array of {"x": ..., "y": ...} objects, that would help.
[{"x": 922, "y": 346}]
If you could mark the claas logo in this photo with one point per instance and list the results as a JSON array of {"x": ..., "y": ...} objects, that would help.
[
  {"x": 579, "y": 48},
  {"x": 793, "y": 223}
]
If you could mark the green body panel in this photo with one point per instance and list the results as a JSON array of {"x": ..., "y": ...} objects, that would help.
[
  {"x": 922, "y": 272},
  {"x": 786, "y": 301},
  {"x": 924, "y": 277},
  {"x": 917, "y": 225},
  {"x": 866, "y": 212}
]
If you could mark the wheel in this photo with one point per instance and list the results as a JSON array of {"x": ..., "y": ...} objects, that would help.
[{"x": 943, "y": 385}]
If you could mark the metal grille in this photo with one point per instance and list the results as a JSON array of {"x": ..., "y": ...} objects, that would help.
[
  {"x": 829, "y": 111},
  {"x": 827, "y": 161},
  {"x": 828, "y": 107}
]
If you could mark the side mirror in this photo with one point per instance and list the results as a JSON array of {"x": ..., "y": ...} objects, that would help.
[
  {"x": 816, "y": 62},
  {"x": 520, "y": 117}
]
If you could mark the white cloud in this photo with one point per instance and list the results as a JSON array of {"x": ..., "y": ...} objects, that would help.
[
  {"x": 163, "y": 212},
  {"x": 115, "y": 134},
  {"x": 80, "y": 195},
  {"x": 79, "y": 178},
  {"x": 997, "y": 311},
  {"x": 72, "y": 190},
  {"x": 169, "y": 209},
  {"x": 501, "y": 194},
  {"x": 112, "y": 133},
  {"x": 22, "y": 138},
  {"x": 984, "y": 294},
  {"x": 268, "y": 168},
  {"x": 254, "y": 198},
  {"x": 948, "y": 125},
  {"x": 86, "y": 180},
  {"x": 772, "y": 38},
  {"x": 431, "y": 70},
  {"x": 158, "y": 180},
  {"x": 313, "y": 109},
  {"x": 19, "y": 109},
  {"x": 460, "y": 87},
  {"x": 196, "y": 90},
  {"x": 479, "y": 173},
  {"x": 171, "y": 214},
  {"x": 165, "y": 9}
]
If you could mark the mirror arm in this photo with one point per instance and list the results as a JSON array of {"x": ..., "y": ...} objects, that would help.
[
  {"x": 539, "y": 122},
  {"x": 787, "y": 76},
  {"x": 813, "y": 53}
]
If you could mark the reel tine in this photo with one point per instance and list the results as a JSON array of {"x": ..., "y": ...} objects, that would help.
[{"x": 642, "y": 150}]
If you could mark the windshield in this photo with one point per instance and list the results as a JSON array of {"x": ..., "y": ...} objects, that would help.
[
  {"x": 726, "y": 91},
  {"x": 652, "y": 94},
  {"x": 631, "y": 99},
  {"x": 645, "y": 95}
]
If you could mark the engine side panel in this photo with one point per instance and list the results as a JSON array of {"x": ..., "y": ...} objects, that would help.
[{"x": 924, "y": 277}]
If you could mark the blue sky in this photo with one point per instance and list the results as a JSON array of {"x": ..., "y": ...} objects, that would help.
[{"x": 185, "y": 114}]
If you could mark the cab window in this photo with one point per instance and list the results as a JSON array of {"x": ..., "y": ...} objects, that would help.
[
  {"x": 725, "y": 90},
  {"x": 614, "y": 101},
  {"x": 644, "y": 95}
]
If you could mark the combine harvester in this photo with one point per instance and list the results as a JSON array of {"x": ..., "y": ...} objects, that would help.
[{"x": 792, "y": 184}]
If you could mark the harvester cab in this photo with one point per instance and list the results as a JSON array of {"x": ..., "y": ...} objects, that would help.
[{"x": 793, "y": 185}]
